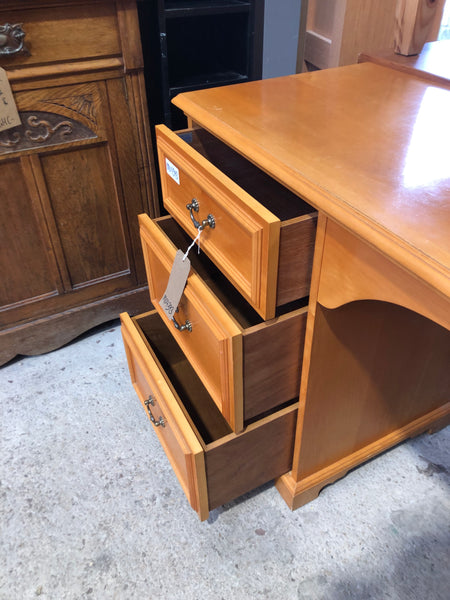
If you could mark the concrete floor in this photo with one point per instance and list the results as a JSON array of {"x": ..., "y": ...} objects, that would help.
[{"x": 90, "y": 507}]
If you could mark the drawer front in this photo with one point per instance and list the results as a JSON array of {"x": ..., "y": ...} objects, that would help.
[
  {"x": 214, "y": 344},
  {"x": 224, "y": 466},
  {"x": 244, "y": 242},
  {"x": 61, "y": 33},
  {"x": 180, "y": 444}
]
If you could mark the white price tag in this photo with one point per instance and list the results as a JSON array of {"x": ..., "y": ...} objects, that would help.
[
  {"x": 9, "y": 117},
  {"x": 175, "y": 286},
  {"x": 172, "y": 171}
]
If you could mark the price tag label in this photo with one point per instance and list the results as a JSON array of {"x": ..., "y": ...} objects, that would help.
[
  {"x": 9, "y": 117},
  {"x": 172, "y": 171},
  {"x": 175, "y": 286}
]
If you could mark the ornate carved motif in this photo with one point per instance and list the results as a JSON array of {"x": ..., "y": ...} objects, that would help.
[
  {"x": 42, "y": 129},
  {"x": 12, "y": 39},
  {"x": 82, "y": 105}
]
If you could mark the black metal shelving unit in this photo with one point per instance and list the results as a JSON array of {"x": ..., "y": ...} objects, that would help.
[{"x": 194, "y": 44}]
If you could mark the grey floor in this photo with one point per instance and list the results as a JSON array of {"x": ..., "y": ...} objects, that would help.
[{"x": 90, "y": 507}]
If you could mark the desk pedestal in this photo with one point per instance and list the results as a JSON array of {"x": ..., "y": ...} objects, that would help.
[{"x": 376, "y": 362}]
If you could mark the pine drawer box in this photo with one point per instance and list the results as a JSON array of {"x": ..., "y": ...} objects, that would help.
[
  {"x": 213, "y": 464},
  {"x": 248, "y": 366},
  {"x": 258, "y": 233}
]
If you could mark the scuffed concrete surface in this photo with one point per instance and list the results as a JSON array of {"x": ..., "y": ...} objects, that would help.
[{"x": 90, "y": 507}]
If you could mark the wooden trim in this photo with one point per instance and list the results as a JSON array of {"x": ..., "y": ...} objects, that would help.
[
  {"x": 130, "y": 36},
  {"x": 54, "y": 330},
  {"x": 351, "y": 270},
  {"x": 57, "y": 70},
  {"x": 322, "y": 222},
  {"x": 297, "y": 493}
]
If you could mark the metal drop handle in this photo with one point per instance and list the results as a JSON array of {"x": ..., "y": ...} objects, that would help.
[
  {"x": 12, "y": 39},
  {"x": 186, "y": 327},
  {"x": 160, "y": 422},
  {"x": 208, "y": 222}
]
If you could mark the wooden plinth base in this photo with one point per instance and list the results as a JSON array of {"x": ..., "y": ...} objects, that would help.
[{"x": 298, "y": 493}]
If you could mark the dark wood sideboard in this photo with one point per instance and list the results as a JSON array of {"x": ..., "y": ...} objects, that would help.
[{"x": 76, "y": 172}]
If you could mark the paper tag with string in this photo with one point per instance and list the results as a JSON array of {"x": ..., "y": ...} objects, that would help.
[
  {"x": 177, "y": 280},
  {"x": 9, "y": 116}
]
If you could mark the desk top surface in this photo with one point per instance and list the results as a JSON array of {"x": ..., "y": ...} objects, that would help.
[
  {"x": 432, "y": 64},
  {"x": 365, "y": 144}
]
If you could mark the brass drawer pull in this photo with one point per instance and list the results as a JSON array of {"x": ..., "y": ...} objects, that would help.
[
  {"x": 209, "y": 221},
  {"x": 155, "y": 422},
  {"x": 186, "y": 327},
  {"x": 12, "y": 39}
]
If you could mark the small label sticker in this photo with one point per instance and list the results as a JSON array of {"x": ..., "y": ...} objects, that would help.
[
  {"x": 175, "y": 286},
  {"x": 172, "y": 171},
  {"x": 9, "y": 117}
]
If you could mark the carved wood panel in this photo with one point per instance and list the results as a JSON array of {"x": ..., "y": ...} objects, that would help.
[{"x": 41, "y": 129}]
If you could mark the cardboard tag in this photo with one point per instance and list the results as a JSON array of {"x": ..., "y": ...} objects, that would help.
[
  {"x": 9, "y": 117},
  {"x": 175, "y": 287}
]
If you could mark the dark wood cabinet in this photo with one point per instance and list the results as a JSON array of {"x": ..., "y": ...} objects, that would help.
[{"x": 74, "y": 175}]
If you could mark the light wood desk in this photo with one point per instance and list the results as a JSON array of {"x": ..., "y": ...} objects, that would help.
[
  {"x": 368, "y": 147},
  {"x": 432, "y": 64}
]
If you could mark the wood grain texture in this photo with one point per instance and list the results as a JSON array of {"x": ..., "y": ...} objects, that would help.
[
  {"x": 244, "y": 462},
  {"x": 228, "y": 465},
  {"x": 297, "y": 238},
  {"x": 232, "y": 354},
  {"x": 81, "y": 192},
  {"x": 248, "y": 208},
  {"x": 318, "y": 147},
  {"x": 296, "y": 493},
  {"x": 22, "y": 243},
  {"x": 177, "y": 437},
  {"x": 214, "y": 345},
  {"x": 416, "y": 22},
  {"x": 375, "y": 368},
  {"x": 37, "y": 336},
  {"x": 351, "y": 271},
  {"x": 244, "y": 241},
  {"x": 338, "y": 30},
  {"x": 272, "y": 355},
  {"x": 432, "y": 64},
  {"x": 50, "y": 31}
]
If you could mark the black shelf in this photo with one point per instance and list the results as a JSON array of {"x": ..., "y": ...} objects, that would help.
[
  {"x": 194, "y": 44},
  {"x": 186, "y": 8},
  {"x": 207, "y": 81}
]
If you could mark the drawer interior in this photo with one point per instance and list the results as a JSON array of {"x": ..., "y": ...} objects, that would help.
[
  {"x": 200, "y": 410},
  {"x": 233, "y": 463},
  {"x": 240, "y": 309},
  {"x": 268, "y": 192}
]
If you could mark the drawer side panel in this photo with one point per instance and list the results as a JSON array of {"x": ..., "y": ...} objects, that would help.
[
  {"x": 297, "y": 240},
  {"x": 273, "y": 363},
  {"x": 261, "y": 453}
]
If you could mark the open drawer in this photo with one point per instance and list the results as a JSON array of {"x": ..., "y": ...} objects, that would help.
[
  {"x": 257, "y": 232},
  {"x": 248, "y": 366},
  {"x": 213, "y": 464}
]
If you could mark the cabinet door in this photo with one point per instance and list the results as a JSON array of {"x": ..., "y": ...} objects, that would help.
[
  {"x": 27, "y": 267},
  {"x": 69, "y": 200}
]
